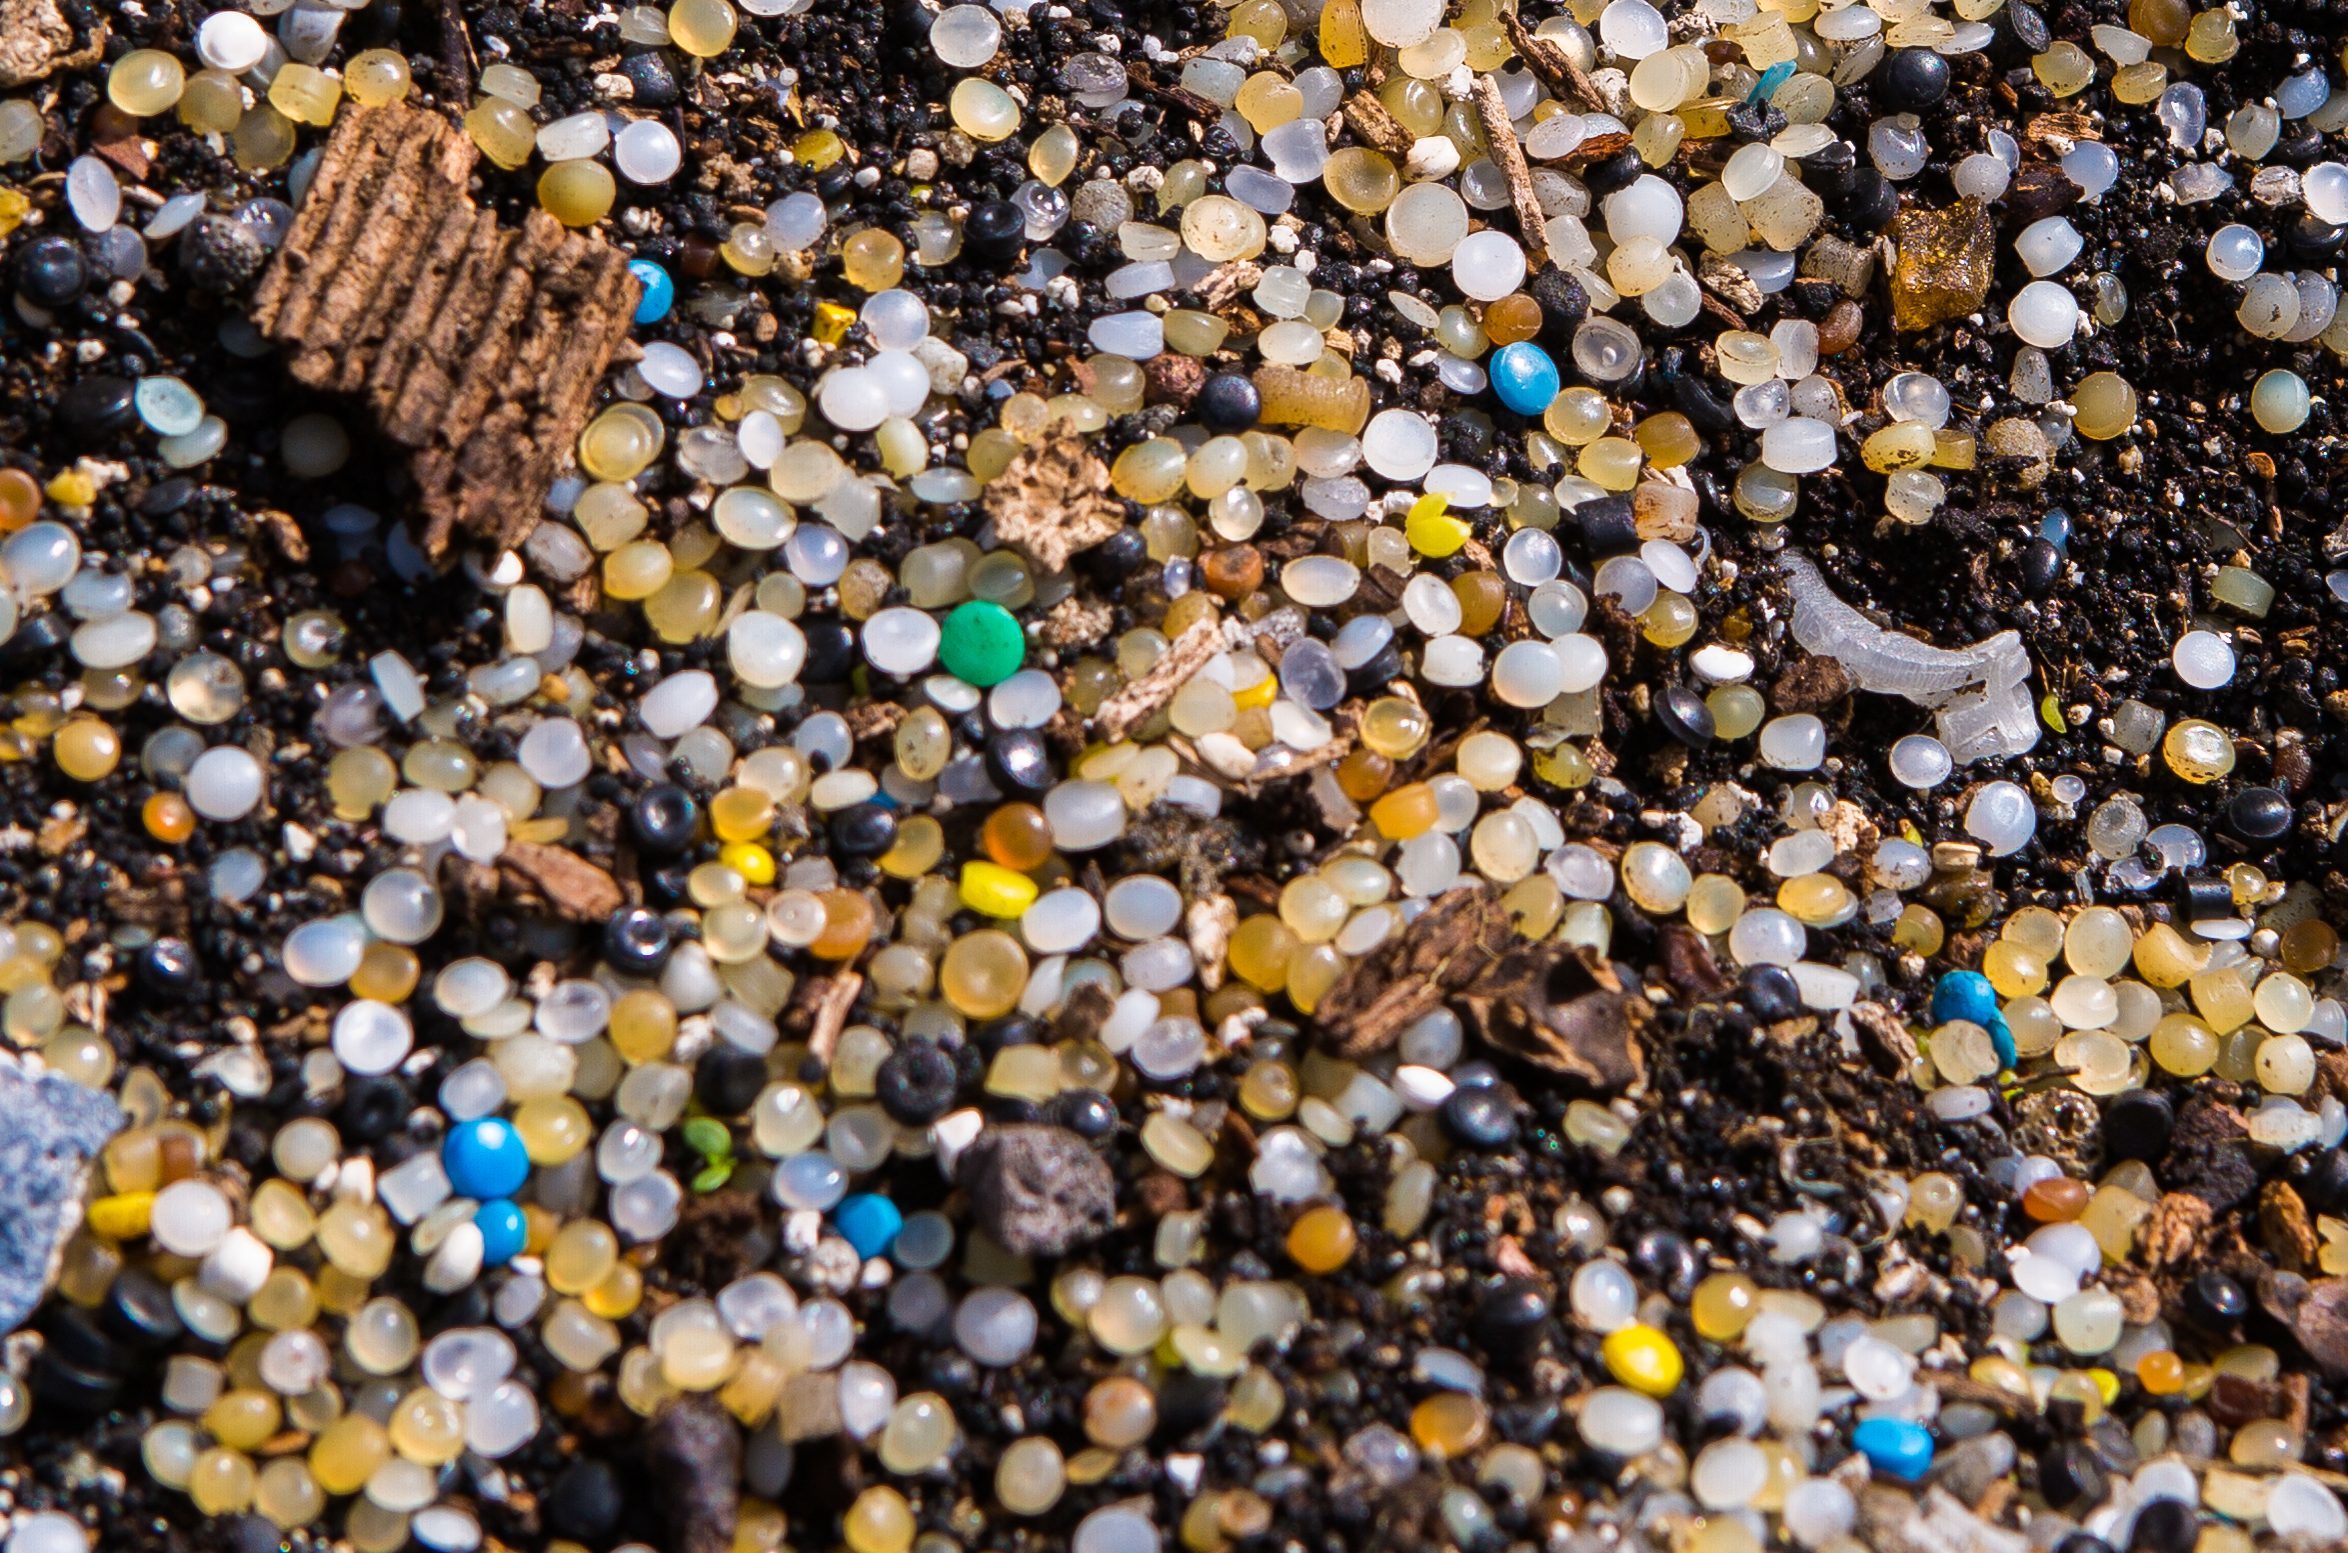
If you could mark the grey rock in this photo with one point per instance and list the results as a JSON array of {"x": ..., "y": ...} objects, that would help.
[
  {"x": 1967, "y": 1468},
  {"x": 221, "y": 253},
  {"x": 50, "y": 1130},
  {"x": 1038, "y": 1190}
]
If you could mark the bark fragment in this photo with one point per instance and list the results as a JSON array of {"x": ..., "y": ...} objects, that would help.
[
  {"x": 477, "y": 347},
  {"x": 1053, "y": 501}
]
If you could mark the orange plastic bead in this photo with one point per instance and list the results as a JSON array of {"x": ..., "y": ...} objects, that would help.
[
  {"x": 1017, "y": 836},
  {"x": 168, "y": 817},
  {"x": 20, "y": 498},
  {"x": 847, "y": 925}
]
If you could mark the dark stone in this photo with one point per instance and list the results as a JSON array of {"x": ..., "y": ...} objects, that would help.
[
  {"x": 586, "y": 1501},
  {"x": 1479, "y": 1116},
  {"x": 2069, "y": 1474},
  {"x": 863, "y": 830},
  {"x": 995, "y": 233},
  {"x": 221, "y": 254},
  {"x": 2258, "y": 814},
  {"x": 1871, "y": 201},
  {"x": 2030, "y": 29},
  {"x": 655, "y": 82},
  {"x": 1912, "y": 80},
  {"x": 95, "y": 408},
  {"x": 2136, "y": 1125},
  {"x": 1684, "y": 716},
  {"x": 372, "y": 1108},
  {"x": 637, "y": 941},
  {"x": 1228, "y": 402},
  {"x": 2042, "y": 563},
  {"x": 1564, "y": 304},
  {"x": 728, "y": 1080},
  {"x": 52, "y": 272},
  {"x": 693, "y": 1453},
  {"x": 1772, "y": 994},
  {"x": 2166, "y": 1526},
  {"x": 917, "y": 1082},
  {"x": 2208, "y": 1155},
  {"x": 1038, "y": 1190},
  {"x": 662, "y": 820},
  {"x": 1511, "y": 1316},
  {"x": 50, "y": 1129}
]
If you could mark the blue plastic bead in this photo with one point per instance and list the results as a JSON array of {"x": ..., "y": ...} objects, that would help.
[
  {"x": 2055, "y": 528},
  {"x": 1964, "y": 995},
  {"x": 1771, "y": 79},
  {"x": 1895, "y": 1447},
  {"x": 503, "y": 1231},
  {"x": 1968, "y": 995},
  {"x": 485, "y": 1158},
  {"x": 1524, "y": 377},
  {"x": 869, "y": 1222},
  {"x": 660, "y": 292}
]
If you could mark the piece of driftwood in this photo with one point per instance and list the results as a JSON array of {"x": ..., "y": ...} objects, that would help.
[
  {"x": 1448, "y": 949},
  {"x": 475, "y": 346},
  {"x": 1559, "y": 1007},
  {"x": 1509, "y": 157}
]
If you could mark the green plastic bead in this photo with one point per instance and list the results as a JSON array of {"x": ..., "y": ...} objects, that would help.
[{"x": 982, "y": 644}]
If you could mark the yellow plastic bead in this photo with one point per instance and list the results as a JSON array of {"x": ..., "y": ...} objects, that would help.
[
  {"x": 87, "y": 749},
  {"x": 992, "y": 890},
  {"x": 1643, "y": 1359},
  {"x": 753, "y": 862},
  {"x": 123, "y": 1216},
  {"x": 577, "y": 193},
  {"x": 702, "y": 28},
  {"x": 832, "y": 323},
  {"x": 880, "y": 1521},
  {"x": 1431, "y": 529},
  {"x": 376, "y": 77}
]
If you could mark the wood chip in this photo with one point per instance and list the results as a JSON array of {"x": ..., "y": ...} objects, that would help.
[
  {"x": 1181, "y": 98},
  {"x": 1885, "y": 1038},
  {"x": 1208, "y": 925},
  {"x": 1564, "y": 1009},
  {"x": 832, "y": 1008},
  {"x": 2284, "y": 1225},
  {"x": 1052, "y": 501},
  {"x": 284, "y": 534},
  {"x": 1076, "y": 622},
  {"x": 561, "y": 880},
  {"x": 1730, "y": 284},
  {"x": 1138, "y": 702},
  {"x": 1376, "y": 127},
  {"x": 873, "y": 719},
  {"x": 2057, "y": 134},
  {"x": 1509, "y": 157},
  {"x": 477, "y": 347},
  {"x": 2179, "y": 1223},
  {"x": 1553, "y": 65},
  {"x": 1221, "y": 286},
  {"x": 1455, "y": 943}
]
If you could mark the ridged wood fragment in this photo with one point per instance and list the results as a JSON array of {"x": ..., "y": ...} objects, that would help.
[{"x": 476, "y": 346}]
